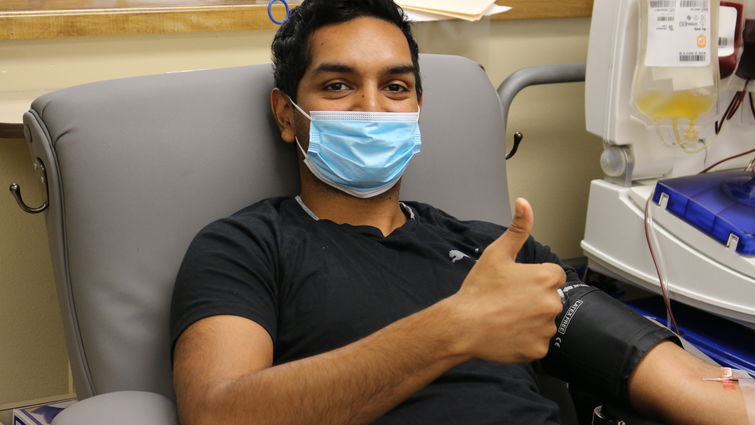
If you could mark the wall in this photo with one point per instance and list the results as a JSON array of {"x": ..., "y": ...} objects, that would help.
[
  {"x": 552, "y": 169},
  {"x": 557, "y": 157},
  {"x": 32, "y": 362}
]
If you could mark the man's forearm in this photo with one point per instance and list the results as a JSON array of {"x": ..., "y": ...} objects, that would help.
[
  {"x": 355, "y": 384},
  {"x": 668, "y": 383}
]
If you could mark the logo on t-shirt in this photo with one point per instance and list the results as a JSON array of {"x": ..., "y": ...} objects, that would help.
[{"x": 456, "y": 255}]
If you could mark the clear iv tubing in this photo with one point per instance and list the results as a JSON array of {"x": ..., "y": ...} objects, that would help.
[
  {"x": 687, "y": 138},
  {"x": 727, "y": 159},
  {"x": 270, "y": 11},
  {"x": 655, "y": 254}
]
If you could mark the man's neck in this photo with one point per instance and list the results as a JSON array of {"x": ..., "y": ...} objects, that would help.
[{"x": 383, "y": 212}]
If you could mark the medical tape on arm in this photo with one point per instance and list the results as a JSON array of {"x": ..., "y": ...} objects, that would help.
[{"x": 747, "y": 388}]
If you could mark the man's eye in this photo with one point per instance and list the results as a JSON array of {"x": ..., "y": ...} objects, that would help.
[
  {"x": 335, "y": 86},
  {"x": 396, "y": 87}
]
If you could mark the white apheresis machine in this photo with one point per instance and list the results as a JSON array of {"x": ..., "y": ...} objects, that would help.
[{"x": 668, "y": 90}]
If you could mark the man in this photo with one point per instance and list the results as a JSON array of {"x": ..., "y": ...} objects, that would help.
[{"x": 339, "y": 307}]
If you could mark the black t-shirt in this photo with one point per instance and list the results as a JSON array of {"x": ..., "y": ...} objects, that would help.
[{"x": 315, "y": 285}]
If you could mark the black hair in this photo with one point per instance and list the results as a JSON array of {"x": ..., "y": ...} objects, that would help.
[{"x": 290, "y": 48}]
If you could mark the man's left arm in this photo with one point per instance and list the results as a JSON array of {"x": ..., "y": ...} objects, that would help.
[
  {"x": 668, "y": 383},
  {"x": 606, "y": 347}
]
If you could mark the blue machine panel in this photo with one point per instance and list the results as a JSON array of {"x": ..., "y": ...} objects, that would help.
[
  {"x": 728, "y": 343},
  {"x": 719, "y": 204}
]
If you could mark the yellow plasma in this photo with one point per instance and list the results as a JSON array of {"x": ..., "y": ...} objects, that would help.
[{"x": 681, "y": 105}]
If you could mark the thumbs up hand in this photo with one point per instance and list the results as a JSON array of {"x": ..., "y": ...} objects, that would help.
[{"x": 506, "y": 309}]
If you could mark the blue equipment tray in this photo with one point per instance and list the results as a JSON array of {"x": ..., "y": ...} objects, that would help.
[
  {"x": 719, "y": 204},
  {"x": 726, "y": 342}
]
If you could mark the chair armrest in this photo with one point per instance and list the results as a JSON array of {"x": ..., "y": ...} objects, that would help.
[
  {"x": 619, "y": 413},
  {"x": 120, "y": 408}
]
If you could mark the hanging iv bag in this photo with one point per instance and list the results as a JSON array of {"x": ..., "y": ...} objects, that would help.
[
  {"x": 731, "y": 58},
  {"x": 746, "y": 67},
  {"x": 730, "y": 22},
  {"x": 675, "y": 84}
]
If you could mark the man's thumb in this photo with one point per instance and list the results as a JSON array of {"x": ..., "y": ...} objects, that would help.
[{"x": 516, "y": 235}]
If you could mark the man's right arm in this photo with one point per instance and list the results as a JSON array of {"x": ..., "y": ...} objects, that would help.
[
  {"x": 223, "y": 373},
  {"x": 503, "y": 312}
]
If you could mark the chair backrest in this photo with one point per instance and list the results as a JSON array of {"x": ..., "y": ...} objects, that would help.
[{"x": 135, "y": 167}]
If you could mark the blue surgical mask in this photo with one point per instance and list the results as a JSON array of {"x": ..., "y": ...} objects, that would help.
[{"x": 360, "y": 153}]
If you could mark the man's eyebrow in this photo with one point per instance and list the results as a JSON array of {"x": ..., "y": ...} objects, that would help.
[
  {"x": 401, "y": 69},
  {"x": 346, "y": 69},
  {"x": 333, "y": 67}
]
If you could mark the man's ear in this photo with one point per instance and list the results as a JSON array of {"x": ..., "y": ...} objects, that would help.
[{"x": 284, "y": 114}]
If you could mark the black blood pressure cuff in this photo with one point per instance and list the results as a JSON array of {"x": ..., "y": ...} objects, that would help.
[{"x": 599, "y": 341}]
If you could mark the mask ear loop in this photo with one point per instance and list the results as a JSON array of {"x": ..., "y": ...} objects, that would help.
[
  {"x": 298, "y": 145},
  {"x": 300, "y": 148},
  {"x": 297, "y": 107}
]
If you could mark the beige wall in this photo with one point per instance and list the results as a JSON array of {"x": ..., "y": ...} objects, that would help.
[
  {"x": 552, "y": 169},
  {"x": 32, "y": 361},
  {"x": 557, "y": 158}
]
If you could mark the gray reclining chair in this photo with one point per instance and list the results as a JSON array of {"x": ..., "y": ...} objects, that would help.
[{"x": 135, "y": 167}]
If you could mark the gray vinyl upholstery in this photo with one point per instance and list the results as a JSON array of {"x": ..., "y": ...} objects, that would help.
[
  {"x": 137, "y": 166},
  {"x": 120, "y": 408}
]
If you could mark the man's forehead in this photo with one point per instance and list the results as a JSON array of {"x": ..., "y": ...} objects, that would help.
[{"x": 357, "y": 44}]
